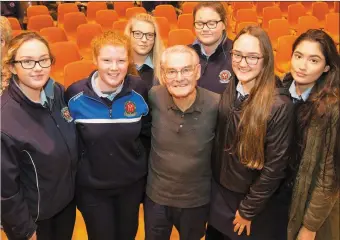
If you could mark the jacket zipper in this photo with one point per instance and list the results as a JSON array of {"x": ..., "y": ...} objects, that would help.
[{"x": 109, "y": 108}]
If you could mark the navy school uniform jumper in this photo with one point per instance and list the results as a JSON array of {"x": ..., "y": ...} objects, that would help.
[
  {"x": 38, "y": 164},
  {"x": 216, "y": 70},
  {"x": 113, "y": 162}
]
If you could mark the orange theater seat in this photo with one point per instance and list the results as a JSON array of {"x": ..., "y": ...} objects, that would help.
[
  {"x": 242, "y": 25},
  {"x": 261, "y": 5},
  {"x": 276, "y": 29},
  {"x": 241, "y": 5},
  {"x": 64, "y": 53},
  {"x": 106, "y": 18},
  {"x": 332, "y": 26},
  {"x": 54, "y": 34},
  {"x": 270, "y": 13},
  {"x": 119, "y": 25},
  {"x": 15, "y": 25},
  {"x": 93, "y": 8},
  {"x": 63, "y": 9},
  {"x": 305, "y": 23},
  {"x": 188, "y": 7},
  {"x": 180, "y": 37},
  {"x": 319, "y": 10},
  {"x": 284, "y": 53},
  {"x": 36, "y": 23},
  {"x": 71, "y": 23},
  {"x": 164, "y": 28},
  {"x": 167, "y": 11},
  {"x": 245, "y": 15},
  {"x": 186, "y": 21},
  {"x": 77, "y": 70},
  {"x": 36, "y": 10},
  {"x": 130, "y": 12},
  {"x": 120, "y": 8},
  {"x": 294, "y": 12},
  {"x": 85, "y": 34}
]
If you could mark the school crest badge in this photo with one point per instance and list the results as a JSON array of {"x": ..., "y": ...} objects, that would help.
[
  {"x": 224, "y": 76},
  {"x": 65, "y": 113},
  {"x": 130, "y": 109}
]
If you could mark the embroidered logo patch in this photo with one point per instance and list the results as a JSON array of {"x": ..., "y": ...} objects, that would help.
[
  {"x": 225, "y": 76},
  {"x": 130, "y": 109},
  {"x": 65, "y": 113}
]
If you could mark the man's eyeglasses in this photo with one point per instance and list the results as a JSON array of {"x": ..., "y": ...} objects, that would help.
[
  {"x": 30, "y": 64},
  {"x": 210, "y": 24},
  {"x": 251, "y": 60},
  {"x": 140, "y": 35},
  {"x": 171, "y": 73}
]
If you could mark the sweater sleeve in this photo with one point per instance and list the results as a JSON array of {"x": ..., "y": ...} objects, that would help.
[
  {"x": 323, "y": 197},
  {"x": 278, "y": 139},
  {"x": 14, "y": 210}
]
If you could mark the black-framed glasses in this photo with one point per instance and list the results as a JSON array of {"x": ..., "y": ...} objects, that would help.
[
  {"x": 210, "y": 24},
  {"x": 30, "y": 64},
  {"x": 140, "y": 35},
  {"x": 251, "y": 60},
  {"x": 187, "y": 71}
]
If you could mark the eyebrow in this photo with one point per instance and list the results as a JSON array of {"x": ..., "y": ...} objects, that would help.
[
  {"x": 30, "y": 57},
  {"x": 246, "y": 53},
  {"x": 309, "y": 55}
]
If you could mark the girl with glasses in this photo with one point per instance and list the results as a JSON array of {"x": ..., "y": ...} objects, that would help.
[
  {"x": 314, "y": 86},
  {"x": 38, "y": 146},
  {"x": 251, "y": 151},
  {"x": 212, "y": 45},
  {"x": 110, "y": 112},
  {"x": 147, "y": 47}
]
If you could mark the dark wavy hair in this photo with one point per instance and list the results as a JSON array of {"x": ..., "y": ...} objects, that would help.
[{"x": 324, "y": 96}]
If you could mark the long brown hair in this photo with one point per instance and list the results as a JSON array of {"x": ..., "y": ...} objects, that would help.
[
  {"x": 324, "y": 96},
  {"x": 256, "y": 110}
]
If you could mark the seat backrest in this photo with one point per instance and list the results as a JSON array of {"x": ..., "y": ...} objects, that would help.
[
  {"x": 241, "y": 5},
  {"x": 15, "y": 25},
  {"x": 130, "y": 12},
  {"x": 77, "y": 70},
  {"x": 284, "y": 48},
  {"x": 242, "y": 25},
  {"x": 180, "y": 37},
  {"x": 284, "y": 6},
  {"x": 163, "y": 26},
  {"x": 106, "y": 18},
  {"x": 168, "y": 11},
  {"x": 278, "y": 28},
  {"x": 64, "y": 53},
  {"x": 86, "y": 32},
  {"x": 36, "y": 23},
  {"x": 66, "y": 8},
  {"x": 270, "y": 13},
  {"x": 294, "y": 12},
  {"x": 319, "y": 10},
  {"x": 36, "y": 10},
  {"x": 305, "y": 23},
  {"x": 332, "y": 23},
  {"x": 119, "y": 25},
  {"x": 120, "y": 7},
  {"x": 246, "y": 15},
  {"x": 188, "y": 7},
  {"x": 186, "y": 21},
  {"x": 92, "y": 8},
  {"x": 307, "y": 5},
  {"x": 54, "y": 34},
  {"x": 261, "y": 5},
  {"x": 72, "y": 21}
]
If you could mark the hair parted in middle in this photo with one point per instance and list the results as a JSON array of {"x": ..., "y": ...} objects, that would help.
[
  {"x": 114, "y": 38},
  {"x": 158, "y": 47},
  {"x": 256, "y": 110}
]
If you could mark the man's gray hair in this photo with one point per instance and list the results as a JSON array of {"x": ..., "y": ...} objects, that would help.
[{"x": 179, "y": 49}]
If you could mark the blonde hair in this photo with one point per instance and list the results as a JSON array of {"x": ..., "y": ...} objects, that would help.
[
  {"x": 6, "y": 30},
  {"x": 114, "y": 38},
  {"x": 178, "y": 49},
  {"x": 158, "y": 46}
]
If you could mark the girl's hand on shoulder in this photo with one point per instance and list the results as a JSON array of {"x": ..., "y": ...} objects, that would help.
[{"x": 305, "y": 234}]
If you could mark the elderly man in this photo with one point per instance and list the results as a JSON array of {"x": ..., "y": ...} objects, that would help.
[{"x": 183, "y": 129}]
